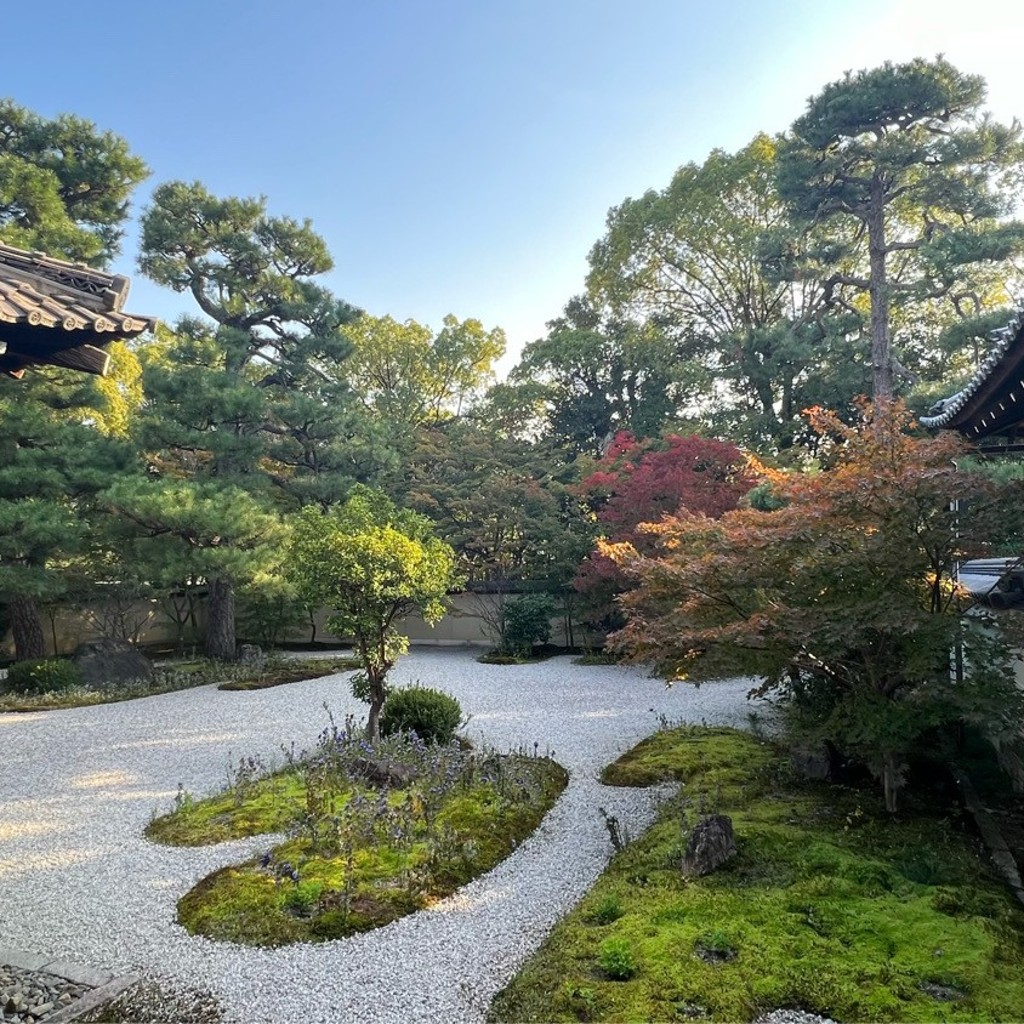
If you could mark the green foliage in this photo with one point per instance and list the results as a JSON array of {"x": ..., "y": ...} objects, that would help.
[
  {"x": 430, "y": 714},
  {"x": 526, "y": 622},
  {"x": 268, "y": 609},
  {"x": 249, "y": 399},
  {"x": 843, "y": 601},
  {"x": 609, "y": 910},
  {"x": 902, "y": 157},
  {"x": 690, "y": 256},
  {"x": 505, "y": 504},
  {"x": 817, "y": 906},
  {"x": 410, "y": 377},
  {"x": 44, "y": 675},
  {"x": 64, "y": 185},
  {"x": 615, "y": 957},
  {"x": 594, "y": 378},
  {"x": 371, "y": 563}
]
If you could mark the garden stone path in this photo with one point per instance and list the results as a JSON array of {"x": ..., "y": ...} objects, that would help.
[{"x": 79, "y": 882}]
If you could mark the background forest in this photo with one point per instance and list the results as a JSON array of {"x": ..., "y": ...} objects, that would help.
[{"x": 867, "y": 251}]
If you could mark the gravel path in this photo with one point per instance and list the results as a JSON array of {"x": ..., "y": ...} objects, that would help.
[{"x": 77, "y": 879}]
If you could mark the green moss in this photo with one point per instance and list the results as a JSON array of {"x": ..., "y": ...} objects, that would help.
[
  {"x": 720, "y": 757},
  {"x": 354, "y": 881},
  {"x": 179, "y": 676},
  {"x": 282, "y": 673},
  {"x": 273, "y": 804},
  {"x": 829, "y": 906}
]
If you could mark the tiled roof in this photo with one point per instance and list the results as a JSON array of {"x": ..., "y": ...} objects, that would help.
[
  {"x": 60, "y": 313},
  {"x": 993, "y": 399}
]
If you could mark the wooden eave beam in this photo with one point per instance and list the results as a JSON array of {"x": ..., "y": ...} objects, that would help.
[{"x": 84, "y": 358}]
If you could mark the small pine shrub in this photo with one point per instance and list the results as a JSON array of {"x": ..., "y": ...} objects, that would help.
[
  {"x": 432, "y": 715},
  {"x": 44, "y": 675},
  {"x": 615, "y": 958},
  {"x": 527, "y": 623}
]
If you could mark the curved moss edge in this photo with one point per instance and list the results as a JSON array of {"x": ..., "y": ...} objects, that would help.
[
  {"x": 830, "y": 906},
  {"x": 80, "y": 697},
  {"x": 687, "y": 752},
  {"x": 260, "y": 904},
  {"x": 297, "y": 675}
]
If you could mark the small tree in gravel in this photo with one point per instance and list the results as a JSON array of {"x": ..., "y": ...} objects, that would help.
[{"x": 371, "y": 563}]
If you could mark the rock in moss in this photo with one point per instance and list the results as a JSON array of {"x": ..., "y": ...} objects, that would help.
[{"x": 711, "y": 843}]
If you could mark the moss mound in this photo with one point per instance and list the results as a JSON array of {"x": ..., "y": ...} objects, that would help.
[
  {"x": 357, "y": 857},
  {"x": 830, "y": 906}
]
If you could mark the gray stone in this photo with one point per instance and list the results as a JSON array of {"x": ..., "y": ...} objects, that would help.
[
  {"x": 811, "y": 762},
  {"x": 251, "y": 655},
  {"x": 110, "y": 663},
  {"x": 711, "y": 843},
  {"x": 386, "y": 774}
]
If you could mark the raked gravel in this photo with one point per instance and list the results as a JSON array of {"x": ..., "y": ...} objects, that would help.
[{"x": 79, "y": 881}]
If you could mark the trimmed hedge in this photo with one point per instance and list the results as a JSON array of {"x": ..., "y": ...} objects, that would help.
[{"x": 432, "y": 715}]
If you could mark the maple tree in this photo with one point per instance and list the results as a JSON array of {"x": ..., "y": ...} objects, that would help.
[
  {"x": 638, "y": 482},
  {"x": 843, "y": 601}
]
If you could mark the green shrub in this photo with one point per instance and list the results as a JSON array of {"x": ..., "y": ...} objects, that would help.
[
  {"x": 45, "y": 675},
  {"x": 608, "y": 910},
  {"x": 432, "y": 715},
  {"x": 527, "y": 622},
  {"x": 615, "y": 958},
  {"x": 304, "y": 898}
]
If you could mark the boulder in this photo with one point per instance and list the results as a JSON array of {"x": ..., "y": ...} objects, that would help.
[
  {"x": 252, "y": 656},
  {"x": 384, "y": 774},
  {"x": 710, "y": 845},
  {"x": 111, "y": 663},
  {"x": 811, "y": 762}
]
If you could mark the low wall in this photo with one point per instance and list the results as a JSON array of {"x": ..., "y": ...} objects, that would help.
[{"x": 464, "y": 624}]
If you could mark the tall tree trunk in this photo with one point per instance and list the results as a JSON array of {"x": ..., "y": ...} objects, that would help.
[
  {"x": 881, "y": 340},
  {"x": 27, "y": 627},
  {"x": 891, "y": 783},
  {"x": 220, "y": 621}
]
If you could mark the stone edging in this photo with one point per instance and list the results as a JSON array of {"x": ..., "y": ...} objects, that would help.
[{"x": 103, "y": 985}]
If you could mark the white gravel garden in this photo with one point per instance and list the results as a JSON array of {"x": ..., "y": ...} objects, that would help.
[{"x": 79, "y": 881}]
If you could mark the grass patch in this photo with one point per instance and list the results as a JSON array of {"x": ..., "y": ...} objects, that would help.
[
  {"x": 830, "y": 906},
  {"x": 356, "y": 857},
  {"x": 181, "y": 676}
]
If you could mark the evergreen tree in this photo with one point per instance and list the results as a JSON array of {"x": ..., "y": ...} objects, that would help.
[
  {"x": 902, "y": 157},
  {"x": 64, "y": 189},
  {"x": 253, "y": 400}
]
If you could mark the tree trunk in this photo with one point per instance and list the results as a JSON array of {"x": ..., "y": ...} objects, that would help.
[
  {"x": 878, "y": 291},
  {"x": 220, "y": 621},
  {"x": 378, "y": 692},
  {"x": 27, "y": 627},
  {"x": 891, "y": 784}
]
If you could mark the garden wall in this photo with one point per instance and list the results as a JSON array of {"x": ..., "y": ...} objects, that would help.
[{"x": 151, "y": 626}]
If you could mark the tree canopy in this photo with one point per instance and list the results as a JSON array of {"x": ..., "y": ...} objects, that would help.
[
  {"x": 371, "y": 563},
  {"x": 843, "y": 600},
  {"x": 64, "y": 185},
  {"x": 903, "y": 158}
]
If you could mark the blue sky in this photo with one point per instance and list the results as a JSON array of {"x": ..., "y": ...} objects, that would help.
[{"x": 461, "y": 156}]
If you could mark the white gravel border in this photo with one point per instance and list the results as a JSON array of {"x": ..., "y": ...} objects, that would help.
[{"x": 78, "y": 880}]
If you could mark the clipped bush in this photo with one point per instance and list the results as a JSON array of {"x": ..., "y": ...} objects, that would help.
[
  {"x": 42, "y": 675},
  {"x": 527, "y": 622},
  {"x": 432, "y": 715}
]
